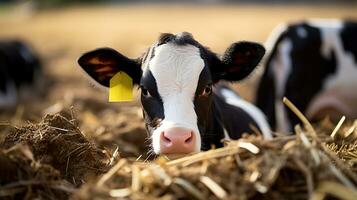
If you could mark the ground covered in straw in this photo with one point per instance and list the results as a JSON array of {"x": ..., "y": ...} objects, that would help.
[{"x": 54, "y": 160}]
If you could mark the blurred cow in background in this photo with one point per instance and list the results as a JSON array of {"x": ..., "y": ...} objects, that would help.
[
  {"x": 314, "y": 64},
  {"x": 19, "y": 67}
]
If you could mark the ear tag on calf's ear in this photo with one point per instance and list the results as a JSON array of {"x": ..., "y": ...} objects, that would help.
[{"x": 120, "y": 88}]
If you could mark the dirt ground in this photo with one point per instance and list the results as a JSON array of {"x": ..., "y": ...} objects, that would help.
[{"x": 61, "y": 36}]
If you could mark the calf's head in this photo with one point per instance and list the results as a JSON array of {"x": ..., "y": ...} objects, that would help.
[{"x": 175, "y": 76}]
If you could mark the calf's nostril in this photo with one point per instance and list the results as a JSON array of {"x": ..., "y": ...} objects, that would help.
[
  {"x": 166, "y": 139},
  {"x": 189, "y": 138}
]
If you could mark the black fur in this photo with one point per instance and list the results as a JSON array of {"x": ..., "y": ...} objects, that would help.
[
  {"x": 18, "y": 65},
  {"x": 349, "y": 39},
  {"x": 240, "y": 59}
]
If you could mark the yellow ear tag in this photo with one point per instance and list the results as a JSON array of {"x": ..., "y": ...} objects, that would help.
[{"x": 121, "y": 88}]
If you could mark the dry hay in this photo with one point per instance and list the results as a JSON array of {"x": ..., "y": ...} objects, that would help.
[
  {"x": 48, "y": 160},
  {"x": 23, "y": 177},
  {"x": 290, "y": 167}
]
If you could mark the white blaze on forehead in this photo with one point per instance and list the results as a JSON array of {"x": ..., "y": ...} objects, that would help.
[{"x": 176, "y": 69}]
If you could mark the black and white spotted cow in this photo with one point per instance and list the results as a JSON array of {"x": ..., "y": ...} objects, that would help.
[
  {"x": 19, "y": 66},
  {"x": 314, "y": 64},
  {"x": 183, "y": 111}
]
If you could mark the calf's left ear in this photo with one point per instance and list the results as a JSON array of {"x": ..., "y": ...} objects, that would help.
[
  {"x": 102, "y": 64},
  {"x": 240, "y": 59}
]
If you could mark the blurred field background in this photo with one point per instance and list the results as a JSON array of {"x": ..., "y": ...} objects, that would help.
[{"x": 61, "y": 31}]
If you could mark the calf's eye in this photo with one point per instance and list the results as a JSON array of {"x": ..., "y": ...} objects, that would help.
[
  {"x": 207, "y": 91},
  {"x": 145, "y": 92}
]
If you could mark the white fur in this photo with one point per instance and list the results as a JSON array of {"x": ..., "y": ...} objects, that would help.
[
  {"x": 326, "y": 23},
  {"x": 176, "y": 69},
  {"x": 225, "y": 132},
  {"x": 232, "y": 99},
  {"x": 281, "y": 67},
  {"x": 273, "y": 37}
]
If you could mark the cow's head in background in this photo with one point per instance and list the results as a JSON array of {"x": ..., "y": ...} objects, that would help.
[{"x": 176, "y": 76}]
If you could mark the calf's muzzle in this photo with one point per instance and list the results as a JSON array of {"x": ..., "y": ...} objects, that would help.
[{"x": 177, "y": 141}]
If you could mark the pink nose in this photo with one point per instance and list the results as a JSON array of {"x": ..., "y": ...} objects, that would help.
[{"x": 177, "y": 141}]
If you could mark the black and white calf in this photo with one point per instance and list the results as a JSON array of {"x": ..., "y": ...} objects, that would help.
[
  {"x": 19, "y": 66},
  {"x": 314, "y": 64},
  {"x": 183, "y": 112}
]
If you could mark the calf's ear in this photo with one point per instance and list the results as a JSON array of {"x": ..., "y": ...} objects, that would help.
[
  {"x": 102, "y": 64},
  {"x": 239, "y": 60}
]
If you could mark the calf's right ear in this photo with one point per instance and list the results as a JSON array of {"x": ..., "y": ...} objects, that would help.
[
  {"x": 102, "y": 64},
  {"x": 240, "y": 59}
]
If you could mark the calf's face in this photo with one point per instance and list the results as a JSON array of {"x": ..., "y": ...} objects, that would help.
[{"x": 175, "y": 76}]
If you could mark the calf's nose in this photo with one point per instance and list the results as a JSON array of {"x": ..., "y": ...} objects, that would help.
[{"x": 177, "y": 141}]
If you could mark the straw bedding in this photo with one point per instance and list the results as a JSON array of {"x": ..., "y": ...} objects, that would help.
[{"x": 54, "y": 160}]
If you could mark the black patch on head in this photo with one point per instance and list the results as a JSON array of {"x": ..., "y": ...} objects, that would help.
[
  {"x": 165, "y": 38},
  {"x": 152, "y": 105},
  {"x": 202, "y": 104},
  {"x": 179, "y": 39},
  {"x": 349, "y": 38}
]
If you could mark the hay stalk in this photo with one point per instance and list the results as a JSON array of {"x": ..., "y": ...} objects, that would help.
[
  {"x": 337, "y": 127},
  {"x": 299, "y": 114},
  {"x": 111, "y": 172},
  {"x": 214, "y": 187}
]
